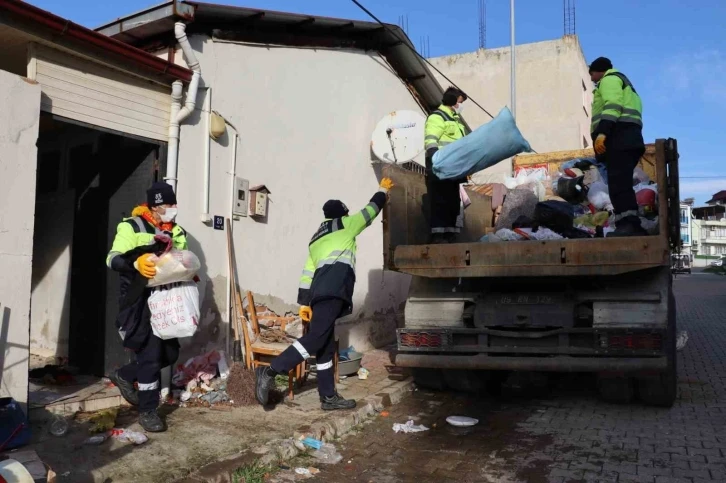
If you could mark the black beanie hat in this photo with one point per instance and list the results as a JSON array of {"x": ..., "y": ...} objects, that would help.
[
  {"x": 160, "y": 194},
  {"x": 335, "y": 209},
  {"x": 601, "y": 64}
]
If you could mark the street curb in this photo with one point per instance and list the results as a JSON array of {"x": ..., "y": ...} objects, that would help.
[{"x": 280, "y": 450}]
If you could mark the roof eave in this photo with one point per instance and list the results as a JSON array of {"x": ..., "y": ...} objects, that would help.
[{"x": 75, "y": 37}]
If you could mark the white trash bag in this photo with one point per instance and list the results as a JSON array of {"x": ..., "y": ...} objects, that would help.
[
  {"x": 175, "y": 310},
  {"x": 174, "y": 266}
]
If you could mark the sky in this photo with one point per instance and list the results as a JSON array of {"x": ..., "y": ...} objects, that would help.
[{"x": 674, "y": 53}]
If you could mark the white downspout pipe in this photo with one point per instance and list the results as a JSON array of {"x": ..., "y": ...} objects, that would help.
[
  {"x": 179, "y": 113},
  {"x": 207, "y": 112}
]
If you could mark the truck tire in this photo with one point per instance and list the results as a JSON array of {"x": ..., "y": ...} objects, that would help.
[
  {"x": 662, "y": 389},
  {"x": 616, "y": 389},
  {"x": 429, "y": 379}
]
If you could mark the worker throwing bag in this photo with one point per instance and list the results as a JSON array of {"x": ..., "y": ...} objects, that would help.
[{"x": 325, "y": 294}]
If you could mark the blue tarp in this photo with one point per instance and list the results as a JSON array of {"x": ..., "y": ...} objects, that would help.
[{"x": 486, "y": 146}]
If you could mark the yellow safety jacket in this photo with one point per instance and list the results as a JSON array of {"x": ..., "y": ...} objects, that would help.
[
  {"x": 330, "y": 268},
  {"x": 617, "y": 112},
  {"x": 443, "y": 126}
]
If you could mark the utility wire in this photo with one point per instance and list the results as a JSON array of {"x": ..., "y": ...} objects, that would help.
[{"x": 393, "y": 32}]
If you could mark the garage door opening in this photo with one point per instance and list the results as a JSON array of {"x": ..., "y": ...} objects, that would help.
[{"x": 88, "y": 180}]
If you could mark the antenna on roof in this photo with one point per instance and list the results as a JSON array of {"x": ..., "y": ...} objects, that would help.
[
  {"x": 482, "y": 24},
  {"x": 568, "y": 7},
  {"x": 425, "y": 46},
  {"x": 403, "y": 22}
]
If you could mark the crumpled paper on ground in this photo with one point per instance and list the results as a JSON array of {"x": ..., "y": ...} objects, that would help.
[{"x": 409, "y": 427}]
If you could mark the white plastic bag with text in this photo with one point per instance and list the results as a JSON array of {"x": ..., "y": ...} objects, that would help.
[{"x": 175, "y": 310}]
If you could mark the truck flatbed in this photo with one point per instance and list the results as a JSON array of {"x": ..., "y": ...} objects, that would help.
[{"x": 406, "y": 233}]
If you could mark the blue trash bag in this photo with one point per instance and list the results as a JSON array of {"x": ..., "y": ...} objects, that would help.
[
  {"x": 488, "y": 145},
  {"x": 14, "y": 427}
]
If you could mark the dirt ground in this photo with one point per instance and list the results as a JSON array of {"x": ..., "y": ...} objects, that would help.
[{"x": 196, "y": 436}]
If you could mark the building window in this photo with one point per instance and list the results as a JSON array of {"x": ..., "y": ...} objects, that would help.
[
  {"x": 685, "y": 238},
  {"x": 684, "y": 217}
]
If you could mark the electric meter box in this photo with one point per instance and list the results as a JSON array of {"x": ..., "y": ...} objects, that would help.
[
  {"x": 258, "y": 201},
  {"x": 241, "y": 188}
]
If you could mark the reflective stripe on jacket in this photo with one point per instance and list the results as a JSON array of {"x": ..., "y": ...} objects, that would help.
[
  {"x": 443, "y": 126},
  {"x": 330, "y": 268}
]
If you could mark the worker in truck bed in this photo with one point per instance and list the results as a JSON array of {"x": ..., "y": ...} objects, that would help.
[
  {"x": 443, "y": 127},
  {"x": 617, "y": 133},
  {"x": 325, "y": 294}
]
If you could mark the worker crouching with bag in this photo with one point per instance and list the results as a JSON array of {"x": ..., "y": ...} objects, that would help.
[{"x": 150, "y": 231}]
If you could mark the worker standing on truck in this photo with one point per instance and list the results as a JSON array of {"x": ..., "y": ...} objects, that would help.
[
  {"x": 325, "y": 294},
  {"x": 617, "y": 134},
  {"x": 444, "y": 126},
  {"x": 135, "y": 243}
]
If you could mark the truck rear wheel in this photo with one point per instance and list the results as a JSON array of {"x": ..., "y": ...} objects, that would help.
[
  {"x": 429, "y": 378},
  {"x": 662, "y": 389},
  {"x": 615, "y": 389}
]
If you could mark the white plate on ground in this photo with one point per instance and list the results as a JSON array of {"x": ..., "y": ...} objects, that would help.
[{"x": 461, "y": 421}]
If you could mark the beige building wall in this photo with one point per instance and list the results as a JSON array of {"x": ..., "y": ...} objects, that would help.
[
  {"x": 305, "y": 119},
  {"x": 553, "y": 93},
  {"x": 18, "y": 133}
]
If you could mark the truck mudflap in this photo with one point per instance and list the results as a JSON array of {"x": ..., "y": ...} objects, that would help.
[{"x": 545, "y": 364}]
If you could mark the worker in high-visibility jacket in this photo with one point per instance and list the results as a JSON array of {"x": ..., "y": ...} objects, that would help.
[
  {"x": 325, "y": 294},
  {"x": 444, "y": 126},
  {"x": 135, "y": 243},
  {"x": 617, "y": 134}
]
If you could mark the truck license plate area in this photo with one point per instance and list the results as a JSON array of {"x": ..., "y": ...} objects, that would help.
[{"x": 506, "y": 309}]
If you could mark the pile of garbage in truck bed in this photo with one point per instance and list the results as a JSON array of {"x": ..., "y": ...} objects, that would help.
[{"x": 572, "y": 203}]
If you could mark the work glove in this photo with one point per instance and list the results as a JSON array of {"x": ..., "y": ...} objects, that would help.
[
  {"x": 600, "y": 144},
  {"x": 306, "y": 313},
  {"x": 145, "y": 266},
  {"x": 386, "y": 184}
]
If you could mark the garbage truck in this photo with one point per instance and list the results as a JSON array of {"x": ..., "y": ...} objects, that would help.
[{"x": 598, "y": 305}]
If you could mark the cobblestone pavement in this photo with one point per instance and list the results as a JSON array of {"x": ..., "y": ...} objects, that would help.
[{"x": 565, "y": 434}]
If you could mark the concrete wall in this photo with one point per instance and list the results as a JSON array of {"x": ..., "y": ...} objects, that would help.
[
  {"x": 305, "y": 118},
  {"x": 18, "y": 134},
  {"x": 553, "y": 110}
]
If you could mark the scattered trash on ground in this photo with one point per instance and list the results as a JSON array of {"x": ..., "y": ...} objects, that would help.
[
  {"x": 681, "y": 340},
  {"x": 385, "y": 414},
  {"x": 312, "y": 443},
  {"x": 126, "y": 436},
  {"x": 303, "y": 471},
  {"x": 409, "y": 427},
  {"x": 461, "y": 421},
  {"x": 58, "y": 425},
  {"x": 363, "y": 373},
  {"x": 103, "y": 420},
  {"x": 54, "y": 375},
  {"x": 96, "y": 440},
  {"x": 327, "y": 454}
]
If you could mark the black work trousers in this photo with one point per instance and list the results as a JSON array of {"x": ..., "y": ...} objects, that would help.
[
  {"x": 620, "y": 166},
  {"x": 146, "y": 370},
  {"x": 444, "y": 201},
  {"x": 318, "y": 342}
]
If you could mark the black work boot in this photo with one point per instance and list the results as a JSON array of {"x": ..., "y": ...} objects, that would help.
[
  {"x": 265, "y": 380},
  {"x": 151, "y": 422},
  {"x": 126, "y": 388},
  {"x": 336, "y": 401},
  {"x": 628, "y": 226}
]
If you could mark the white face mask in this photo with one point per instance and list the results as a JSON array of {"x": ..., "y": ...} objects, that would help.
[
  {"x": 460, "y": 108},
  {"x": 169, "y": 215}
]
